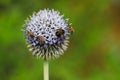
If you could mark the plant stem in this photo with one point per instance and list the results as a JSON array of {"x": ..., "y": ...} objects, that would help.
[{"x": 46, "y": 70}]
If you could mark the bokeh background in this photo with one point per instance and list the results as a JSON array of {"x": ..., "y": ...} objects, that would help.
[{"x": 94, "y": 50}]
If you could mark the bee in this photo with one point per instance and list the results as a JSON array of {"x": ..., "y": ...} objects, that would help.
[
  {"x": 41, "y": 40},
  {"x": 30, "y": 34},
  {"x": 70, "y": 29},
  {"x": 60, "y": 32}
]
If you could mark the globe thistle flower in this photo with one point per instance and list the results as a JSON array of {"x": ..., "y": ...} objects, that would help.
[{"x": 47, "y": 34}]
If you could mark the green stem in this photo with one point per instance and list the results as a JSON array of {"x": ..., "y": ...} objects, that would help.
[{"x": 46, "y": 70}]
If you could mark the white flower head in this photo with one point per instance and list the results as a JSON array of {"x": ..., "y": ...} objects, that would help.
[{"x": 47, "y": 34}]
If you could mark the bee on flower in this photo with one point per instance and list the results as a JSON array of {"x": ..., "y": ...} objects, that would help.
[{"x": 47, "y": 34}]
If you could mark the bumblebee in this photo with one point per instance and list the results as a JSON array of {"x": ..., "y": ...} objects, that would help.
[
  {"x": 30, "y": 34},
  {"x": 70, "y": 29},
  {"x": 60, "y": 32},
  {"x": 41, "y": 40}
]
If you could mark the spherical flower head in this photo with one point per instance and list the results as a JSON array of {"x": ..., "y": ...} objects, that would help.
[{"x": 47, "y": 34}]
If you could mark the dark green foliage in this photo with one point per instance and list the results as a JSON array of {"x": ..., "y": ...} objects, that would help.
[{"x": 94, "y": 50}]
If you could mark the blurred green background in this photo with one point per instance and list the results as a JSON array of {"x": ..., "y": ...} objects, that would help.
[{"x": 94, "y": 50}]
